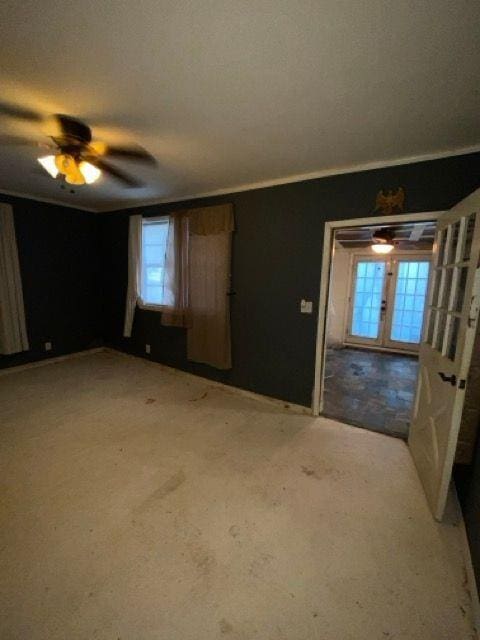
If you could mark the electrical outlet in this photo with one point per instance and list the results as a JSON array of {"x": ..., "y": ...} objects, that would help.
[
  {"x": 48, "y": 346},
  {"x": 147, "y": 348},
  {"x": 306, "y": 306}
]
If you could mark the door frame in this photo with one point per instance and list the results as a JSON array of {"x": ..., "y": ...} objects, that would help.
[{"x": 328, "y": 238}]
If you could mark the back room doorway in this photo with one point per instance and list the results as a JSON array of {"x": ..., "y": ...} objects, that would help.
[{"x": 375, "y": 317}]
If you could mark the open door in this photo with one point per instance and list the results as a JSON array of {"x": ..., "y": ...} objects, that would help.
[{"x": 446, "y": 349}]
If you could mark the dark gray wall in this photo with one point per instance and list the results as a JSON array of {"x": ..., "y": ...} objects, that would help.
[
  {"x": 58, "y": 254},
  {"x": 277, "y": 252}
]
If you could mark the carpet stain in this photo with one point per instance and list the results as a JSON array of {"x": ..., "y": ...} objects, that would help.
[
  {"x": 335, "y": 474},
  {"x": 150, "y": 400},
  {"x": 169, "y": 486},
  {"x": 202, "y": 397},
  {"x": 203, "y": 559},
  {"x": 307, "y": 471},
  {"x": 225, "y": 626}
]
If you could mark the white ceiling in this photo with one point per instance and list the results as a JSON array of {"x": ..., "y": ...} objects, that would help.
[{"x": 227, "y": 94}]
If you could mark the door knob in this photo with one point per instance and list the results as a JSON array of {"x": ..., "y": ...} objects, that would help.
[{"x": 452, "y": 379}]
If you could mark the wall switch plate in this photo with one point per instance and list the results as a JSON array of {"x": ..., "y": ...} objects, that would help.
[
  {"x": 306, "y": 306},
  {"x": 48, "y": 346},
  {"x": 147, "y": 348}
]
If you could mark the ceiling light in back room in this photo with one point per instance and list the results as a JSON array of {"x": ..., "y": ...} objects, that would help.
[{"x": 382, "y": 241}]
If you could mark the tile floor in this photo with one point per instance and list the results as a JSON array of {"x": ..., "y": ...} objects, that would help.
[{"x": 370, "y": 389}]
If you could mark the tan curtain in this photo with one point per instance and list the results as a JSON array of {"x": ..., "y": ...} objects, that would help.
[
  {"x": 13, "y": 332},
  {"x": 176, "y": 272},
  {"x": 208, "y": 337}
]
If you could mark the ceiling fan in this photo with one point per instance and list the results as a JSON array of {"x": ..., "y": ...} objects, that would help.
[
  {"x": 75, "y": 156},
  {"x": 382, "y": 240}
]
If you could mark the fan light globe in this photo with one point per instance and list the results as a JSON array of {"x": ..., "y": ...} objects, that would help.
[
  {"x": 48, "y": 163},
  {"x": 89, "y": 171},
  {"x": 382, "y": 248}
]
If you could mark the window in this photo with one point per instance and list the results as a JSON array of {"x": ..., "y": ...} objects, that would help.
[{"x": 154, "y": 249}]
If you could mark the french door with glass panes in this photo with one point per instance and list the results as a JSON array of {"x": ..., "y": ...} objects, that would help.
[
  {"x": 446, "y": 349},
  {"x": 387, "y": 301}
]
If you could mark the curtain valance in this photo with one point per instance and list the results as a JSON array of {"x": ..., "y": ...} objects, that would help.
[{"x": 208, "y": 221}]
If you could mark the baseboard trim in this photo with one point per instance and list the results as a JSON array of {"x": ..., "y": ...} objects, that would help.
[
  {"x": 471, "y": 583},
  {"x": 46, "y": 361},
  {"x": 454, "y": 516},
  {"x": 284, "y": 404},
  {"x": 367, "y": 347}
]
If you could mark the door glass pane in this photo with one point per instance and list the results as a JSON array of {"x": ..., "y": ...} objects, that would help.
[
  {"x": 437, "y": 276},
  {"x": 447, "y": 286},
  {"x": 452, "y": 340},
  {"x": 367, "y": 300},
  {"x": 469, "y": 236},
  {"x": 460, "y": 293},
  {"x": 441, "y": 240},
  {"x": 409, "y": 302},
  {"x": 454, "y": 241},
  {"x": 431, "y": 326},
  {"x": 441, "y": 321}
]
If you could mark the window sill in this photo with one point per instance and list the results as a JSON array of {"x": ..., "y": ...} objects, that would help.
[{"x": 152, "y": 307}]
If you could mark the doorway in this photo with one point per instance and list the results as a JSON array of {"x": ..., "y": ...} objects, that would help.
[
  {"x": 440, "y": 431},
  {"x": 375, "y": 313}
]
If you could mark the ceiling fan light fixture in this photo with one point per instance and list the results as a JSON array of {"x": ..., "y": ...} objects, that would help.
[
  {"x": 382, "y": 248},
  {"x": 49, "y": 164},
  {"x": 90, "y": 172},
  {"x": 382, "y": 241},
  {"x": 65, "y": 163},
  {"x": 74, "y": 176}
]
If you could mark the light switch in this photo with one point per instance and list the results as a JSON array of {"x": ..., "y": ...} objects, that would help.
[
  {"x": 147, "y": 348},
  {"x": 48, "y": 346},
  {"x": 306, "y": 306}
]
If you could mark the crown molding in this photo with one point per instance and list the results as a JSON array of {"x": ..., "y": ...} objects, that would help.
[
  {"x": 368, "y": 166},
  {"x": 262, "y": 184},
  {"x": 58, "y": 203}
]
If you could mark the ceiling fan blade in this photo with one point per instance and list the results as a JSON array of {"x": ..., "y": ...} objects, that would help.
[
  {"x": 22, "y": 141},
  {"x": 73, "y": 128},
  {"x": 132, "y": 152},
  {"x": 21, "y": 113},
  {"x": 120, "y": 176}
]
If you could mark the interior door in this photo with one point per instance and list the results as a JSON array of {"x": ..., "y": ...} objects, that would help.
[
  {"x": 367, "y": 301},
  {"x": 446, "y": 348}
]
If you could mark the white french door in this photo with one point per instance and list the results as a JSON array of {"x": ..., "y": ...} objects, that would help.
[
  {"x": 446, "y": 349},
  {"x": 387, "y": 301}
]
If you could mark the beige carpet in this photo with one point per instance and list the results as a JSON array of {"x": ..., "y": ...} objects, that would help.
[{"x": 143, "y": 504}]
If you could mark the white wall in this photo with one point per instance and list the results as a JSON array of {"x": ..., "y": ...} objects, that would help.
[{"x": 337, "y": 304}]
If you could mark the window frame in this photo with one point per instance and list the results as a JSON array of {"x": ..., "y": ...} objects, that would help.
[{"x": 150, "y": 306}]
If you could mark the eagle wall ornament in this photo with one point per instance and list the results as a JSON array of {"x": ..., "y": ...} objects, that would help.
[{"x": 389, "y": 202}]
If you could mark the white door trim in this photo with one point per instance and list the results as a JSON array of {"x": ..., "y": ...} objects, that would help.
[{"x": 330, "y": 228}]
